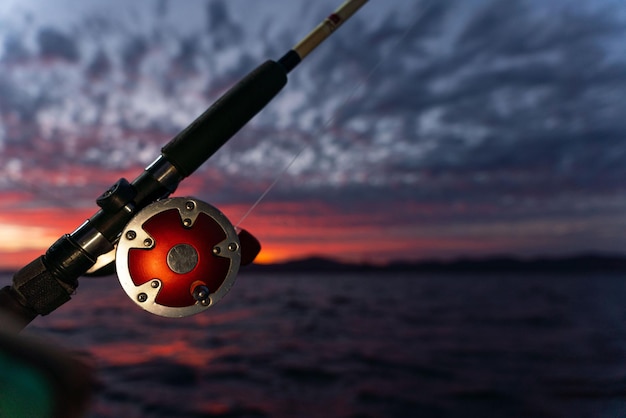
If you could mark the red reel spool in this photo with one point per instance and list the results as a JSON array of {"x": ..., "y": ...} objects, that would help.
[{"x": 177, "y": 257}]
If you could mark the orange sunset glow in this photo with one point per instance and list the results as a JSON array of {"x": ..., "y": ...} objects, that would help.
[
  {"x": 296, "y": 230},
  {"x": 369, "y": 156}
]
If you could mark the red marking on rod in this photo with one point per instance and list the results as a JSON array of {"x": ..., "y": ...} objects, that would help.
[{"x": 334, "y": 18}]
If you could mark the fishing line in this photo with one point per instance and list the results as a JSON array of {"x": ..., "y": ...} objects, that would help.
[{"x": 333, "y": 117}]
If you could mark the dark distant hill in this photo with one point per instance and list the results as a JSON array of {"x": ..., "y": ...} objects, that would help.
[{"x": 501, "y": 264}]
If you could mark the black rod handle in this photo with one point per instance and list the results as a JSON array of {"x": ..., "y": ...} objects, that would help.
[
  {"x": 196, "y": 143},
  {"x": 14, "y": 314}
]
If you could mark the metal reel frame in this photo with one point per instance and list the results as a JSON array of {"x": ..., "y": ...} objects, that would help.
[{"x": 183, "y": 259}]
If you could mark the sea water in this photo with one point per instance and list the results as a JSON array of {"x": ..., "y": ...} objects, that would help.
[{"x": 359, "y": 345}]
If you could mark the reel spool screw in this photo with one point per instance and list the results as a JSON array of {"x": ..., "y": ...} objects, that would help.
[
  {"x": 142, "y": 297},
  {"x": 147, "y": 242},
  {"x": 187, "y": 222},
  {"x": 232, "y": 246},
  {"x": 154, "y": 284},
  {"x": 131, "y": 235},
  {"x": 201, "y": 293},
  {"x": 190, "y": 205}
]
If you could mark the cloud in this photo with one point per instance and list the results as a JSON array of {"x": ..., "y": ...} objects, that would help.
[
  {"x": 14, "y": 50},
  {"x": 133, "y": 52},
  {"x": 100, "y": 65},
  {"x": 220, "y": 28},
  {"x": 489, "y": 103},
  {"x": 56, "y": 44},
  {"x": 188, "y": 55},
  {"x": 479, "y": 109}
]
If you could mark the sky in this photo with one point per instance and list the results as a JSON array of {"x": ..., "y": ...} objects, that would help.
[{"x": 419, "y": 130}]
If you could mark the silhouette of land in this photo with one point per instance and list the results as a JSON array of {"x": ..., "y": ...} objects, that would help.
[
  {"x": 572, "y": 264},
  {"x": 585, "y": 263}
]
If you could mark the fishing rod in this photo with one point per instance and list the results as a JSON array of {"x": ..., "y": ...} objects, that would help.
[{"x": 174, "y": 256}]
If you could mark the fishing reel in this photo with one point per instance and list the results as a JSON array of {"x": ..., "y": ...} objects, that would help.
[
  {"x": 179, "y": 256},
  {"x": 175, "y": 257}
]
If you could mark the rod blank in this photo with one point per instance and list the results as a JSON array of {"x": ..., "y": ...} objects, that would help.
[{"x": 328, "y": 26}]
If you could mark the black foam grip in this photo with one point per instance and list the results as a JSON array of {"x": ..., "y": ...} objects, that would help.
[
  {"x": 12, "y": 307},
  {"x": 194, "y": 145}
]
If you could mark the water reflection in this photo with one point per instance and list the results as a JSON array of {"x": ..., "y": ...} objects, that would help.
[{"x": 341, "y": 345}]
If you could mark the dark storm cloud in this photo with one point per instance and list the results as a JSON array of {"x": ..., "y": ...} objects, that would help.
[
  {"x": 56, "y": 44},
  {"x": 509, "y": 97},
  {"x": 220, "y": 27},
  {"x": 14, "y": 50},
  {"x": 132, "y": 53},
  {"x": 552, "y": 105},
  {"x": 188, "y": 54},
  {"x": 514, "y": 90},
  {"x": 16, "y": 102},
  {"x": 519, "y": 27},
  {"x": 99, "y": 66},
  {"x": 162, "y": 8}
]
